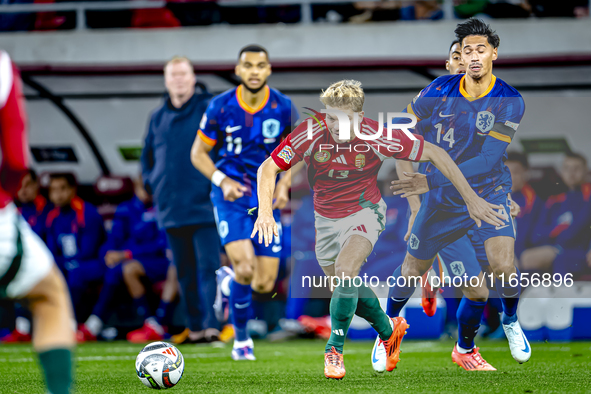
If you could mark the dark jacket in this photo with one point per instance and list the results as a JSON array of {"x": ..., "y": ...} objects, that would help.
[{"x": 181, "y": 192}]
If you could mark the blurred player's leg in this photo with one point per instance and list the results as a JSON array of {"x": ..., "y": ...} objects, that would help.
[
  {"x": 398, "y": 295},
  {"x": 241, "y": 254},
  {"x": 265, "y": 274},
  {"x": 53, "y": 336},
  {"x": 501, "y": 255},
  {"x": 29, "y": 272},
  {"x": 469, "y": 314}
]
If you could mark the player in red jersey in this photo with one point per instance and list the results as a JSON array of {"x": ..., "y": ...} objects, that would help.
[
  {"x": 349, "y": 210},
  {"x": 27, "y": 269}
]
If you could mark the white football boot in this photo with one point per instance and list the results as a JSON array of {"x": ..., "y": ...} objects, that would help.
[
  {"x": 520, "y": 349},
  {"x": 378, "y": 354}
]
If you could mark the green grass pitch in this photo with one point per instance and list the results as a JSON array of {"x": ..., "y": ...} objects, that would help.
[{"x": 297, "y": 366}]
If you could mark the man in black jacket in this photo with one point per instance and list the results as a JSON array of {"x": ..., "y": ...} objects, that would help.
[{"x": 181, "y": 195}]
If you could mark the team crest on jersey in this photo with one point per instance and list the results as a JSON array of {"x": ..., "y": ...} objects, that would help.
[
  {"x": 360, "y": 161},
  {"x": 457, "y": 267},
  {"x": 322, "y": 156},
  {"x": 485, "y": 121},
  {"x": 414, "y": 242},
  {"x": 286, "y": 154},
  {"x": 271, "y": 128}
]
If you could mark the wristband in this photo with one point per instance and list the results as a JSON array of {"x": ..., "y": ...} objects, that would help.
[{"x": 217, "y": 177}]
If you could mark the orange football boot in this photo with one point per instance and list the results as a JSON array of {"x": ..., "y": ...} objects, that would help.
[
  {"x": 429, "y": 297},
  {"x": 472, "y": 361},
  {"x": 392, "y": 345},
  {"x": 334, "y": 366}
]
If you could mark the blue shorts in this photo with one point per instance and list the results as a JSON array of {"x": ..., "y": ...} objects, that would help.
[
  {"x": 434, "y": 230},
  {"x": 234, "y": 222},
  {"x": 156, "y": 268},
  {"x": 465, "y": 256}
]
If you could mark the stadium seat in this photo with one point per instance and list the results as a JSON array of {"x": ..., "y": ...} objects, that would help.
[{"x": 154, "y": 18}]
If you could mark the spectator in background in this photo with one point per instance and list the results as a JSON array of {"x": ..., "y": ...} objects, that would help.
[
  {"x": 563, "y": 232},
  {"x": 562, "y": 8},
  {"x": 74, "y": 233},
  {"x": 525, "y": 196},
  {"x": 135, "y": 248},
  {"x": 492, "y": 8},
  {"x": 32, "y": 205},
  {"x": 418, "y": 10},
  {"x": 181, "y": 194}
]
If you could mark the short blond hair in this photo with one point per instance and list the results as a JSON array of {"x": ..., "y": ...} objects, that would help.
[
  {"x": 178, "y": 59},
  {"x": 347, "y": 93}
]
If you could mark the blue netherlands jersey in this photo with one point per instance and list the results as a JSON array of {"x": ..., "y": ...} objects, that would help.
[
  {"x": 475, "y": 132},
  {"x": 244, "y": 137}
]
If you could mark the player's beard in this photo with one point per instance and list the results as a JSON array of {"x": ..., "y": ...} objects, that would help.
[{"x": 254, "y": 91}]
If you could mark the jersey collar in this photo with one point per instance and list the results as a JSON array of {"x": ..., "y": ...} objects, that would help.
[
  {"x": 470, "y": 98},
  {"x": 247, "y": 107}
]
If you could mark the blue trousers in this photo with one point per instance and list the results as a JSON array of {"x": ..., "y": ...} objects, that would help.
[
  {"x": 196, "y": 255},
  {"x": 81, "y": 276}
]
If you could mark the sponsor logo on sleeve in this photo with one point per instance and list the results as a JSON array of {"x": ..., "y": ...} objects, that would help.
[
  {"x": 514, "y": 126},
  {"x": 415, "y": 150},
  {"x": 286, "y": 154}
]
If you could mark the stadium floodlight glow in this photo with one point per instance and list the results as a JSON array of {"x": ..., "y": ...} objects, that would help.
[{"x": 345, "y": 124}]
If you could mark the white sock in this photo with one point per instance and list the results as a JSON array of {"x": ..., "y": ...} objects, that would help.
[
  {"x": 23, "y": 325},
  {"x": 462, "y": 350},
  {"x": 94, "y": 324},
  {"x": 225, "y": 286}
]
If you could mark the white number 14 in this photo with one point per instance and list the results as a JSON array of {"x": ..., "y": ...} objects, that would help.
[{"x": 448, "y": 137}]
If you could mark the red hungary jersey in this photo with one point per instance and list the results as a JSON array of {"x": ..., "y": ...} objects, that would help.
[
  {"x": 344, "y": 176},
  {"x": 13, "y": 139}
]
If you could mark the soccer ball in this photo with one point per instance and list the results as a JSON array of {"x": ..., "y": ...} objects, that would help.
[{"x": 160, "y": 365}]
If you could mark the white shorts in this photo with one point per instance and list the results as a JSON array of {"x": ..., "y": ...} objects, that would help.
[
  {"x": 331, "y": 234},
  {"x": 36, "y": 261}
]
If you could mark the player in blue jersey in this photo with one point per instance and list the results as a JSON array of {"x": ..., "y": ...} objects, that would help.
[
  {"x": 243, "y": 126},
  {"x": 466, "y": 256},
  {"x": 474, "y": 118}
]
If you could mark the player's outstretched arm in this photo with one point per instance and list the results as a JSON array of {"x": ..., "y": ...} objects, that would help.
[
  {"x": 402, "y": 168},
  {"x": 417, "y": 184},
  {"x": 200, "y": 158},
  {"x": 265, "y": 224},
  {"x": 281, "y": 195}
]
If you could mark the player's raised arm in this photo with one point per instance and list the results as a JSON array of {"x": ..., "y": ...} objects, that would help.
[{"x": 417, "y": 184}]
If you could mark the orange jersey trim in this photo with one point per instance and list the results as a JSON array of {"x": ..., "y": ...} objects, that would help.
[
  {"x": 206, "y": 139},
  {"x": 247, "y": 107},
  {"x": 410, "y": 111},
  {"x": 470, "y": 98},
  {"x": 499, "y": 136}
]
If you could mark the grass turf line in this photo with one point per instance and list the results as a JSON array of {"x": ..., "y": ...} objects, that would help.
[{"x": 297, "y": 366}]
